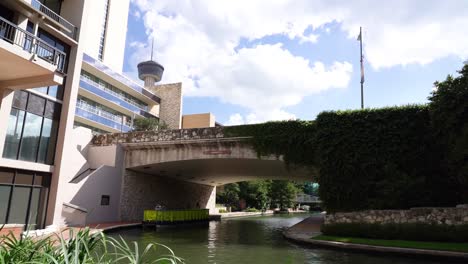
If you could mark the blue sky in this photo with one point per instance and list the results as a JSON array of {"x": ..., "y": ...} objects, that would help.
[{"x": 228, "y": 70}]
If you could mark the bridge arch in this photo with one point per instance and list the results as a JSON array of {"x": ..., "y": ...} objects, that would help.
[{"x": 181, "y": 168}]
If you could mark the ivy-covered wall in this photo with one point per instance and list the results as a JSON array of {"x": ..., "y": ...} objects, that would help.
[
  {"x": 368, "y": 159},
  {"x": 380, "y": 159}
]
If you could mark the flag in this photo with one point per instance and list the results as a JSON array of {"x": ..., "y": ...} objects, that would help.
[{"x": 359, "y": 37}]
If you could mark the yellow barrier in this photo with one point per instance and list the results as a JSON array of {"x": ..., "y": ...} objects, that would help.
[{"x": 174, "y": 216}]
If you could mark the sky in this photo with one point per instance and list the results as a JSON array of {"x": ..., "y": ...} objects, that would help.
[{"x": 251, "y": 61}]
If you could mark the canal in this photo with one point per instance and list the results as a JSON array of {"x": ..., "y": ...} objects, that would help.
[{"x": 248, "y": 240}]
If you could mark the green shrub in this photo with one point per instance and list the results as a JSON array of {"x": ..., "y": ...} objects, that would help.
[
  {"x": 251, "y": 210},
  {"x": 222, "y": 211},
  {"x": 416, "y": 232}
]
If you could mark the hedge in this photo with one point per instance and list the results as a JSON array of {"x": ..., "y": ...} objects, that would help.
[
  {"x": 388, "y": 158},
  {"x": 379, "y": 159},
  {"x": 415, "y": 232}
]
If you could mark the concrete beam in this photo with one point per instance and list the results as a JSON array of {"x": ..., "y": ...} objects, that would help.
[{"x": 33, "y": 81}]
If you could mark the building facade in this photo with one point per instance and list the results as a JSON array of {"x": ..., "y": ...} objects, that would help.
[
  {"x": 60, "y": 83},
  {"x": 40, "y": 62}
]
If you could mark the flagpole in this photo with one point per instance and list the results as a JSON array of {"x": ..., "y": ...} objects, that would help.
[{"x": 362, "y": 69}]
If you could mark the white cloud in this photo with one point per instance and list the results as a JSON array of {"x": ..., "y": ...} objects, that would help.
[
  {"x": 196, "y": 42},
  {"x": 235, "y": 119}
]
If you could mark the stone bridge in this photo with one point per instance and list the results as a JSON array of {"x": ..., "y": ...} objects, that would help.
[
  {"x": 203, "y": 156},
  {"x": 181, "y": 168}
]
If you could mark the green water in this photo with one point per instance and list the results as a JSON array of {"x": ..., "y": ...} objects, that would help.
[{"x": 249, "y": 240}]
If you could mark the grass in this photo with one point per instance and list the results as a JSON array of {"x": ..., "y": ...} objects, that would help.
[{"x": 443, "y": 246}]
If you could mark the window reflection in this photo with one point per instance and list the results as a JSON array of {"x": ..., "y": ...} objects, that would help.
[
  {"x": 23, "y": 201},
  {"x": 30, "y": 139},
  {"x": 32, "y": 134},
  {"x": 13, "y": 137}
]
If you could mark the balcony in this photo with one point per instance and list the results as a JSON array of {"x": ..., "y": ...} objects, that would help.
[
  {"x": 27, "y": 61},
  {"x": 111, "y": 96},
  {"x": 69, "y": 29},
  {"x": 104, "y": 118}
]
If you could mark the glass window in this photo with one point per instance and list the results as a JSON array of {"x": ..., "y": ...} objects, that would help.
[
  {"x": 38, "y": 180},
  {"x": 19, "y": 205},
  {"x": 4, "y": 199},
  {"x": 56, "y": 91},
  {"x": 34, "y": 208},
  {"x": 30, "y": 139},
  {"x": 36, "y": 104},
  {"x": 17, "y": 196},
  {"x": 32, "y": 135},
  {"x": 52, "y": 110},
  {"x": 12, "y": 140},
  {"x": 6, "y": 177},
  {"x": 45, "y": 139},
  {"x": 41, "y": 89},
  {"x": 20, "y": 99},
  {"x": 23, "y": 178}
]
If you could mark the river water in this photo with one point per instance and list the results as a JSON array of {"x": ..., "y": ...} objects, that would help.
[{"x": 249, "y": 240}]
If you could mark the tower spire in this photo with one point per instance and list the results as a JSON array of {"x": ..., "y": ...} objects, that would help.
[{"x": 152, "y": 48}]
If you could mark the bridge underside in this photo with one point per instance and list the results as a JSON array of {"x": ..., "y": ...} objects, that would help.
[{"x": 221, "y": 171}]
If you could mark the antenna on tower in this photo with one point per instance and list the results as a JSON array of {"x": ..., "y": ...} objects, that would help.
[{"x": 152, "y": 48}]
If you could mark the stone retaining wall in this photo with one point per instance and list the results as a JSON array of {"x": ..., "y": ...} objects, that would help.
[
  {"x": 154, "y": 136},
  {"x": 442, "y": 216}
]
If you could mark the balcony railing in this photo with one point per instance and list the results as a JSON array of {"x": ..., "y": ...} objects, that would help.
[
  {"x": 11, "y": 33},
  {"x": 102, "y": 113},
  {"x": 120, "y": 96},
  {"x": 71, "y": 30}
]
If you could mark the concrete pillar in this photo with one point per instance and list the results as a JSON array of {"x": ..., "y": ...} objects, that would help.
[
  {"x": 5, "y": 109},
  {"x": 64, "y": 142}
]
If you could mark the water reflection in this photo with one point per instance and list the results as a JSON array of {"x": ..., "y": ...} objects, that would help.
[{"x": 250, "y": 240}]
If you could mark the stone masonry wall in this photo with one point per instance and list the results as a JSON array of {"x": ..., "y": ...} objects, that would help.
[
  {"x": 144, "y": 191},
  {"x": 442, "y": 216},
  {"x": 170, "y": 110},
  {"x": 154, "y": 136}
]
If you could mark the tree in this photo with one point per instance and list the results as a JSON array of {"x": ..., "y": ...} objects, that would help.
[
  {"x": 310, "y": 188},
  {"x": 283, "y": 193},
  {"x": 449, "y": 115},
  {"x": 148, "y": 124},
  {"x": 230, "y": 195},
  {"x": 255, "y": 194}
]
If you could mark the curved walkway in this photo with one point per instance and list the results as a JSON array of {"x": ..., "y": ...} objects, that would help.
[{"x": 303, "y": 233}]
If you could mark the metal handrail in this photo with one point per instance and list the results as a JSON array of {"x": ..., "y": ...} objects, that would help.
[
  {"x": 15, "y": 35},
  {"x": 72, "y": 30}
]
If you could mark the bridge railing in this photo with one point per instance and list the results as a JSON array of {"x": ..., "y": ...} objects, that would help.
[{"x": 155, "y": 136}]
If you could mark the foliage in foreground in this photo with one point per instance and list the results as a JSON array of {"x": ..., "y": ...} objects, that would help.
[
  {"x": 405, "y": 231},
  {"x": 457, "y": 247},
  {"x": 82, "y": 247}
]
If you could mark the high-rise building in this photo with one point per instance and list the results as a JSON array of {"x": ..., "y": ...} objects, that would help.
[
  {"x": 40, "y": 64},
  {"x": 60, "y": 71}
]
